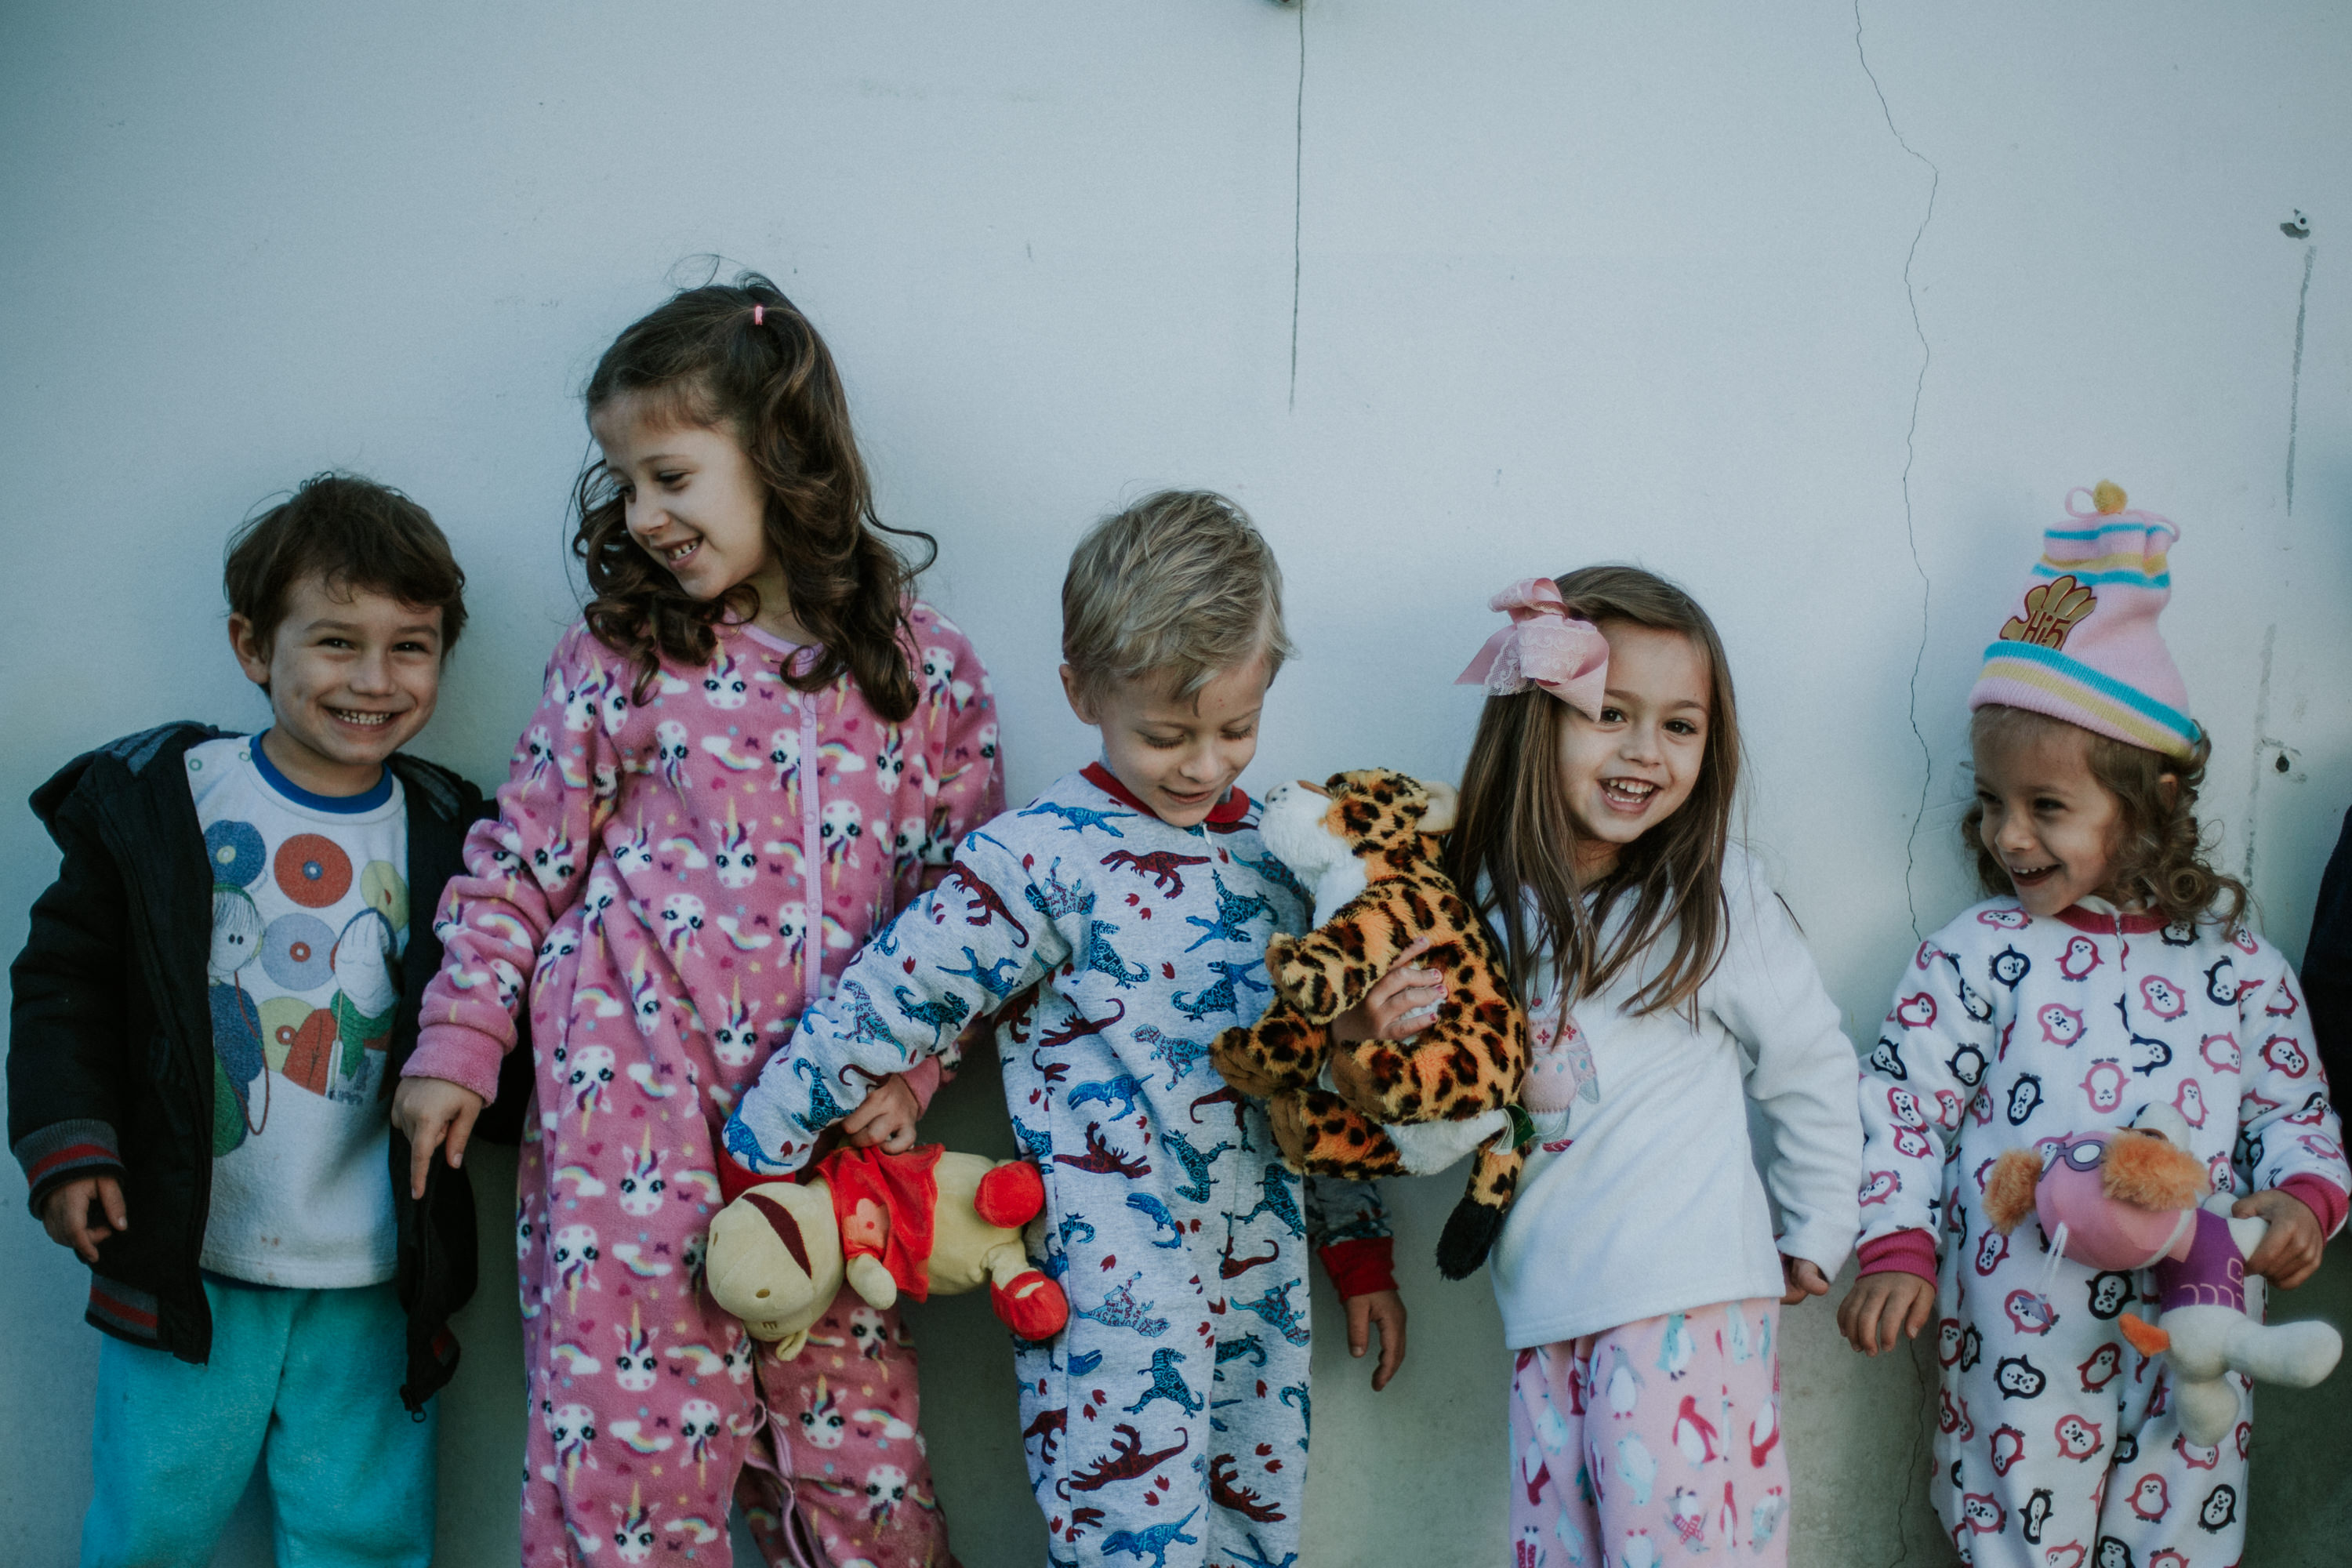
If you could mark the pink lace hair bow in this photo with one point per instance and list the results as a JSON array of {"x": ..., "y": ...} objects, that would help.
[{"x": 1543, "y": 645}]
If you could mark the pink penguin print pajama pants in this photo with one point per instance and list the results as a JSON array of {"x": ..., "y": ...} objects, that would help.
[{"x": 1651, "y": 1443}]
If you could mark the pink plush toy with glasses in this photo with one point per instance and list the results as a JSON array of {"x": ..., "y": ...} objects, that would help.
[{"x": 2133, "y": 1199}]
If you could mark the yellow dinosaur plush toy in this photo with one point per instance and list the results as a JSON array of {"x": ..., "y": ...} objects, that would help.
[{"x": 887, "y": 1225}]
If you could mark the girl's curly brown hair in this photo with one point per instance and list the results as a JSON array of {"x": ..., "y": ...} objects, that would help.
[
  {"x": 741, "y": 359},
  {"x": 2158, "y": 858}
]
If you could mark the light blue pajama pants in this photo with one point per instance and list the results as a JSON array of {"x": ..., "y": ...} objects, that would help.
[{"x": 306, "y": 1382}]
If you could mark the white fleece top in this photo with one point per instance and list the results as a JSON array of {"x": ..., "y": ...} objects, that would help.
[{"x": 1651, "y": 1202}]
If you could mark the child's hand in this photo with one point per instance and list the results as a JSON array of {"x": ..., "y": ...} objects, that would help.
[
  {"x": 1385, "y": 1311},
  {"x": 66, "y": 1214},
  {"x": 1399, "y": 1003},
  {"x": 430, "y": 1111},
  {"x": 885, "y": 1118},
  {"x": 1879, "y": 1304},
  {"x": 2291, "y": 1250},
  {"x": 1803, "y": 1278}
]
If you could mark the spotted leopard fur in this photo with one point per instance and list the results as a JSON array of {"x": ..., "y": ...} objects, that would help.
[{"x": 1472, "y": 1058}]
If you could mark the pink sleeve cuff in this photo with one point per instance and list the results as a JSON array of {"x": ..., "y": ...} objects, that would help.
[
  {"x": 925, "y": 1078},
  {"x": 1360, "y": 1266},
  {"x": 467, "y": 1057},
  {"x": 1900, "y": 1252},
  {"x": 2321, "y": 1197}
]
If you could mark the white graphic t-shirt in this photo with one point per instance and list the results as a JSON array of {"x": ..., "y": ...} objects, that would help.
[{"x": 310, "y": 919}]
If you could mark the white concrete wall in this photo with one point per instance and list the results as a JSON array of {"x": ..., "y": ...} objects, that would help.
[{"x": 1571, "y": 283}]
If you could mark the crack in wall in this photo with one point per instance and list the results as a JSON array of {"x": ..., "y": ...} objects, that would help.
[
  {"x": 1915, "y": 1486},
  {"x": 2294, "y": 391},
  {"x": 1298, "y": 203},
  {"x": 2263, "y": 741},
  {"x": 1910, "y": 455}
]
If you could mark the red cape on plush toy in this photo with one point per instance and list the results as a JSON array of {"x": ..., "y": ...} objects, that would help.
[{"x": 885, "y": 1224}]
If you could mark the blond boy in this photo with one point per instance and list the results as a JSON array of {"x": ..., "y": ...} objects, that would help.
[{"x": 1114, "y": 926}]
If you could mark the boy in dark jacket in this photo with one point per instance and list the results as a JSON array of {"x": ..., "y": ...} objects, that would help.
[{"x": 216, "y": 997}]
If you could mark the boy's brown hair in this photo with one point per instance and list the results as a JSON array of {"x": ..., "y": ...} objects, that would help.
[
  {"x": 1178, "y": 587},
  {"x": 354, "y": 533}
]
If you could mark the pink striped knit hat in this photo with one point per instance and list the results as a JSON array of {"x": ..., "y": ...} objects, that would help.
[{"x": 2081, "y": 643}]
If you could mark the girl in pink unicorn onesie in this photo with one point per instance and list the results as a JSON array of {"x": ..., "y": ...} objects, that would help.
[{"x": 752, "y": 752}]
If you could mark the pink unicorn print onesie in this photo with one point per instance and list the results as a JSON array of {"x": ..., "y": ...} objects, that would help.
[{"x": 675, "y": 870}]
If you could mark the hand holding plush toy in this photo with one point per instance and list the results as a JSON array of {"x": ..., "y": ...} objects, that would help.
[
  {"x": 1365, "y": 844},
  {"x": 2131, "y": 1200},
  {"x": 887, "y": 1224}
]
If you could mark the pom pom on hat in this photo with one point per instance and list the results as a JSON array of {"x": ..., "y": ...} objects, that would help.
[{"x": 2081, "y": 642}]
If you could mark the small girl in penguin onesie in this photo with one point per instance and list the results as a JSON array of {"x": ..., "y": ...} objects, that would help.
[
  {"x": 752, "y": 752},
  {"x": 2110, "y": 972}
]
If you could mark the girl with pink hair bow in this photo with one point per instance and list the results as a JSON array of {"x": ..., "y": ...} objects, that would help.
[{"x": 1640, "y": 1273}]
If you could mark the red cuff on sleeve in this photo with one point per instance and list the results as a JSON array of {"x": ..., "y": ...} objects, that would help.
[
  {"x": 734, "y": 1177},
  {"x": 1904, "y": 1252},
  {"x": 2321, "y": 1197},
  {"x": 1361, "y": 1266}
]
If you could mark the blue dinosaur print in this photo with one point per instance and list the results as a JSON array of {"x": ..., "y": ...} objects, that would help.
[
  {"x": 1084, "y": 1363},
  {"x": 1151, "y": 1209},
  {"x": 1038, "y": 1146},
  {"x": 1153, "y": 1544},
  {"x": 1294, "y": 1395},
  {"x": 1217, "y": 1422},
  {"x": 1275, "y": 871},
  {"x": 1104, "y": 959},
  {"x": 1120, "y": 1309},
  {"x": 1276, "y": 1309},
  {"x": 1196, "y": 1164},
  {"x": 1121, "y": 1090},
  {"x": 867, "y": 1023},
  {"x": 1278, "y": 1202},
  {"x": 1255, "y": 1557},
  {"x": 744, "y": 1145},
  {"x": 1219, "y": 997},
  {"x": 991, "y": 977},
  {"x": 1074, "y": 1223},
  {"x": 1058, "y": 898},
  {"x": 1248, "y": 1348},
  {"x": 1078, "y": 818},
  {"x": 824, "y": 1110},
  {"x": 1167, "y": 1383},
  {"x": 943, "y": 1013},
  {"x": 1235, "y": 912},
  {"x": 1181, "y": 1055}
]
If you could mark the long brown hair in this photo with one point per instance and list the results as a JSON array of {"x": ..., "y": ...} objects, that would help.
[
  {"x": 2157, "y": 858},
  {"x": 1516, "y": 842},
  {"x": 741, "y": 359}
]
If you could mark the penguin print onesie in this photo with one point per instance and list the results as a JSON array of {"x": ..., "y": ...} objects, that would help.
[{"x": 2056, "y": 1447}]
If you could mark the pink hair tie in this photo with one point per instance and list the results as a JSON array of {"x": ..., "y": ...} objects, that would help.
[
  {"x": 759, "y": 315},
  {"x": 1543, "y": 645}
]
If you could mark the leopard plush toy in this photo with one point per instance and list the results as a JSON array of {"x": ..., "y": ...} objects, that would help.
[{"x": 1364, "y": 844}]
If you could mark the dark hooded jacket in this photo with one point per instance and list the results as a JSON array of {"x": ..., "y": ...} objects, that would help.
[{"x": 110, "y": 1053}]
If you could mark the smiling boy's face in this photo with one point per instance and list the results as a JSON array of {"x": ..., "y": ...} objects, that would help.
[
  {"x": 352, "y": 676},
  {"x": 1179, "y": 757}
]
